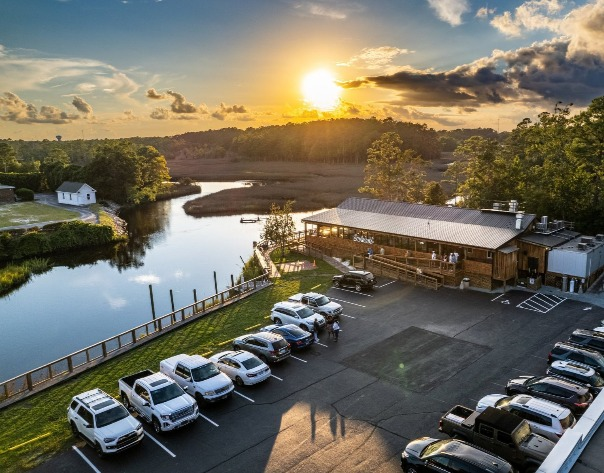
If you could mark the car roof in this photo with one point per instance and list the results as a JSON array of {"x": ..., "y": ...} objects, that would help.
[
  {"x": 563, "y": 383},
  {"x": 289, "y": 305},
  {"x": 570, "y": 366},
  {"x": 574, "y": 347},
  {"x": 474, "y": 455},
  {"x": 96, "y": 399},
  {"x": 236, "y": 354},
  {"x": 541, "y": 406},
  {"x": 274, "y": 326},
  {"x": 359, "y": 272},
  {"x": 270, "y": 336},
  {"x": 313, "y": 294},
  {"x": 588, "y": 333}
]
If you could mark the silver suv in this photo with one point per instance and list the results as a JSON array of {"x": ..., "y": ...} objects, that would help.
[
  {"x": 579, "y": 373},
  {"x": 269, "y": 347},
  {"x": 545, "y": 417},
  {"x": 296, "y": 313}
]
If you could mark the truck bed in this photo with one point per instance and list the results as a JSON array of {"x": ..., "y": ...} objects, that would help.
[{"x": 130, "y": 379}]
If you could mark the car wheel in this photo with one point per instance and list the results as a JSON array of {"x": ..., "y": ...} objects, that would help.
[
  {"x": 156, "y": 426},
  {"x": 336, "y": 283},
  {"x": 304, "y": 327},
  {"x": 277, "y": 320},
  {"x": 74, "y": 429},
  {"x": 239, "y": 381},
  {"x": 99, "y": 450},
  {"x": 125, "y": 401},
  {"x": 236, "y": 347},
  {"x": 358, "y": 288}
]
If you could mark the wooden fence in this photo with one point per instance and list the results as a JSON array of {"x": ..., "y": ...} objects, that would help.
[
  {"x": 398, "y": 270},
  {"x": 51, "y": 373}
]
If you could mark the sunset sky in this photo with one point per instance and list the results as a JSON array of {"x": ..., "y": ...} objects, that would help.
[{"x": 121, "y": 68}]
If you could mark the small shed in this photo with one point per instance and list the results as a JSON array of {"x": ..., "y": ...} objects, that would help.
[
  {"x": 7, "y": 194},
  {"x": 76, "y": 193}
]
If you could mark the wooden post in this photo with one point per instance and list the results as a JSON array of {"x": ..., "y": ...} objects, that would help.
[
  {"x": 232, "y": 282},
  {"x": 172, "y": 299},
  {"x": 152, "y": 303},
  {"x": 69, "y": 364},
  {"x": 104, "y": 347},
  {"x": 195, "y": 299},
  {"x": 30, "y": 384},
  {"x": 215, "y": 284}
]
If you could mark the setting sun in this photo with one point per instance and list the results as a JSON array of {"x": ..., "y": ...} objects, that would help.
[{"x": 320, "y": 90}]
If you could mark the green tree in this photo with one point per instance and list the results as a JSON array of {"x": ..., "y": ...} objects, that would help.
[
  {"x": 57, "y": 155},
  {"x": 393, "y": 172},
  {"x": 8, "y": 158},
  {"x": 154, "y": 172},
  {"x": 280, "y": 226},
  {"x": 434, "y": 194}
]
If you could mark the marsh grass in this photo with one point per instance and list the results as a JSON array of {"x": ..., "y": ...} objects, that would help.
[
  {"x": 44, "y": 413},
  {"x": 15, "y": 275}
]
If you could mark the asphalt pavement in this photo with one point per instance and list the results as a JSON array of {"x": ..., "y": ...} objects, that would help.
[{"x": 404, "y": 357}]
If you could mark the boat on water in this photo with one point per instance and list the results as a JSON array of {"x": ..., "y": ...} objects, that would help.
[{"x": 249, "y": 220}]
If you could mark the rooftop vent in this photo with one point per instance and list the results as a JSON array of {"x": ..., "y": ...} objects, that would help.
[
  {"x": 587, "y": 240},
  {"x": 599, "y": 237},
  {"x": 513, "y": 205},
  {"x": 582, "y": 246}
]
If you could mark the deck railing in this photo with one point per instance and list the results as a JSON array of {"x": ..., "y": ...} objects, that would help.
[{"x": 49, "y": 374}]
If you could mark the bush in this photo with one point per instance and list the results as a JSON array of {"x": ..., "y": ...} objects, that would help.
[{"x": 25, "y": 194}]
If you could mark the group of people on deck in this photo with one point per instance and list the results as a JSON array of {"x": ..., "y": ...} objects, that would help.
[{"x": 451, "y": 258}]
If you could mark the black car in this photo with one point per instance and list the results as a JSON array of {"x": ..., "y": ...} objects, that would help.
[
  {"x": 294, "y": 335},
  {"x": 579, "y": 373},
  {"x": 567, "y": 351},
  {"x": 357, "y": 280},
  {"x": 572, "y": 395},
  {"x": 428, "y": 454},
  {"x": 588, "y": 339}
]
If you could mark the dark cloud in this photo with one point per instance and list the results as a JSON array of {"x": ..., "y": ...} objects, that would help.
[
  {"x": 180, "y": 104},
  {"x": 81, "y": 105},
  {"x": 153, "y": 94},
  {"x": 541, "y": 72},
  {"x": 160, "y": 114},
  {"x": 222, "y": 113},
  {"x": 14, "y": 109}
]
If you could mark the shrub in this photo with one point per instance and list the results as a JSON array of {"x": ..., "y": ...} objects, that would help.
[{"x": 25, "y": 194}]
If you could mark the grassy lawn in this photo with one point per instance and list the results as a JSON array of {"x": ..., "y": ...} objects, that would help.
[
  {"x": 36, "y": 428},
  {"x": 22, "y": 213}
]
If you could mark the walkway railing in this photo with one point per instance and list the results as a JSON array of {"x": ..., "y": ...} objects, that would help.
[
  {"x": 397, "y": 270},
  {"x": 51, "y": 373}
]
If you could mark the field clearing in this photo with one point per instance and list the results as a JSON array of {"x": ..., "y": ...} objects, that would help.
[{"x": 24, "y": 213}]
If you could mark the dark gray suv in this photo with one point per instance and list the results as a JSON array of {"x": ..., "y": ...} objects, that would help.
[
  {"x": 357, "y": 280},
  {"x": 588, "y": 339},
  {"x": 269, "y": 347},
  {"x": 567, "y": 351}
]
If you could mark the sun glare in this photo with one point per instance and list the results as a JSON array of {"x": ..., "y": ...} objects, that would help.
[{"x": 320, "y": 90}]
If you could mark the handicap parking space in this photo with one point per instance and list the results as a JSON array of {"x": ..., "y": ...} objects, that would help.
[
  {"x": 408, "y": 355},
  {"x": 538, "y": 302}
]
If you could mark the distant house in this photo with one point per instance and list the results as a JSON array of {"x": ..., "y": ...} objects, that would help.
[
  {"x": 76, "y": 193},
  {"x": 7, "y": 194}
]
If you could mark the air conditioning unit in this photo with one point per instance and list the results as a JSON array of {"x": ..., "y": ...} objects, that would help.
[
  {"x": 582, "y": 246},
  {"x": 599, "y": 237},
  {"x": 587, "y": 240}
]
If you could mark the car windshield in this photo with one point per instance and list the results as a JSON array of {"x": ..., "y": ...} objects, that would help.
[
  {"x": 166, "y": 393},
  {"x": 251, "y": 363},
  {"x": 433, "y": 448},
  {"x": 522, "y": 433},
  {"x": 567, "y": 421},
  {"x": 322, "y": 300},
  {"x": 279, "y": 344},
  {"x": 110, "y": 416},
  {"x": 204, "y": 372},
  {"x": 504, "y": 401},
  {"x": 305, "y": 312}
]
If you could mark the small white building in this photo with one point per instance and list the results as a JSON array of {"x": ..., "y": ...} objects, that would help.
[{"x": 76, "y": 193}]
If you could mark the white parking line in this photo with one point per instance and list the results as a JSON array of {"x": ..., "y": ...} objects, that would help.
[
  {"x": 322, "y": 344},
  {"x": 77, "y": 450},
  {"x": 244, "y": 397},
  {"x": 299, "y": 359},
  {"x": 273, "y": 376},
  {"x": 384, "y": 285},
  {"x": 500, "y": 295},
  {"x": 209, "y": 420},
  {"x": 500, "y": 385},
  {"x": 354, "y": 292},
  {"x": 160, "y": 444},
  {"x": 346, "y": 302},
  {"x": 349, "y": 316},
  {"x": 521, "y": 371}
]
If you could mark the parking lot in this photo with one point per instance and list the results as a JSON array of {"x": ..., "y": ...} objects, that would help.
[{"x": 405, "y": 356}]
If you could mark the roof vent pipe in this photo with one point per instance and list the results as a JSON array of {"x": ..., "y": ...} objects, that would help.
[
  {"x": 519, "y": 216},
  {"x": 513, "y": 205},
  {"x": 544, "y": 220}
]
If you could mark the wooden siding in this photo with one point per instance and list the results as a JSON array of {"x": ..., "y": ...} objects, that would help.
[
  {"x": 505, "y": 265},
  {"x": 528, "y": 250}
]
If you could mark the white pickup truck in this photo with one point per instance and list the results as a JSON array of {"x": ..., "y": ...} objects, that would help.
[
  {"x": 319, "y": 303},
  {"x": 199, "y": 376},
  {"x": 158, "y": 400}
]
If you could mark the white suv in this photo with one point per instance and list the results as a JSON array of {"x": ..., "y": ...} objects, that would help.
[
  {"x": 545, "y": 417},
  {"x": 103, "y": 422},
  {"x": 296, "y": 313}
]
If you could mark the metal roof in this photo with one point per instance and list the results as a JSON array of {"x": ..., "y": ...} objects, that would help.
[
  {"x": 488, "y": 229},
  {"x": 71, "y": 187},
  {"x": 549, "y": 239}
]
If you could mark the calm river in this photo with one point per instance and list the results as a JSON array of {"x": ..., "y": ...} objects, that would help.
[{"x": 94, "y": 295}]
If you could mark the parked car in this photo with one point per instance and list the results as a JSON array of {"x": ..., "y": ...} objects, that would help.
[
  {"x": 103, "y": 422},
  {"x": 158, "y": 400},
  {"x": 296, "y": 313},
  {"x": 545, "y": 417},
  {"x": 269, "y": 347},
  {"x": 566, "y": 393},
  {"x": 243, "y": 367},
  {"x": 579, "y": 373},
  {"x": 434, "y": 455},
  {"x": 588, "y": 339},
  {"x": 198, "y": 376},
  {"x": 567, "y": 351},
  {"x": 357, "y": 280},
  {"x": 319, "y": 303},
  {"x": 294, "y": 335}
]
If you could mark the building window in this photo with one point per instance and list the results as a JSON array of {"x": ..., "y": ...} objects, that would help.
[
  {"x": 69, "y": 196},
  {"x": 88, "y": 196},
  {"x": 63, "y": 194},
  {"x": 489, "y": 255}
]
